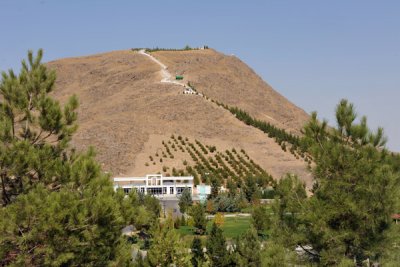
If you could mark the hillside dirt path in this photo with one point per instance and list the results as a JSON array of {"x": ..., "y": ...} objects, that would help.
[{"x": 165, "y": 74}]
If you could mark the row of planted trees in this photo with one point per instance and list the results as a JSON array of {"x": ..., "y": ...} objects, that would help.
[
  {"x": 282, "y": 137},
  {"x": 156, "y": 49},
  {"x": 209, "y": 163}
]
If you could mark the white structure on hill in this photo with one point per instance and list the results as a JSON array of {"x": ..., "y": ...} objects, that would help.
[{"x": 155, "y": 184}]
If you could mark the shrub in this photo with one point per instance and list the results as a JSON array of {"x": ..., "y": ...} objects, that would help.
[
  {"x": 268, "y": 193},
  {"x": 177, "y": 223},
  {"x": 132, "y": 239},
  {"x": 224, "y": 203},
  {"x": 210, "y": 207},
  {"x": 219, "y": 219}
]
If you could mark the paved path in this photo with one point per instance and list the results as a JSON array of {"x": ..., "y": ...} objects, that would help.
[
  {"x": 166, "y": 75},
  {"x": 231, "y": 215}
]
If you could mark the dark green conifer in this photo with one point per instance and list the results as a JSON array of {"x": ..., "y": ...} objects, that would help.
[
  {"x": 199, "y": 218},
  {"x": 58, "y": 208},
  {"x": 217, "y": 248},
  {"x": 248, "y": 249},
  {"x": 185, "y": 200},
  {"x": 167, "y": 249},
  {"x": 354, "y": 194},
  {"x": 197, "y": 252}
]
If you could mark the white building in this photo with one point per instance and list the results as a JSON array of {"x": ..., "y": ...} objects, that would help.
[{"x": 155, "y": 184}]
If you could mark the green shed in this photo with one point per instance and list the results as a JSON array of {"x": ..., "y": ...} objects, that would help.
[{"x": 179, "y": 77}]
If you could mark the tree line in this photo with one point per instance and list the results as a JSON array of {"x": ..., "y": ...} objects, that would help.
[{"x": 156, "y": 49}]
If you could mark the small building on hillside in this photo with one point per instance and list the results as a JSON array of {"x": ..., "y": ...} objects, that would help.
[{"x": 155, "y": 184}]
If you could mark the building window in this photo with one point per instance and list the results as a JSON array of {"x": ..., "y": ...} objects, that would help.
[
  {"x": 154, "y": 191},
  {"x": 171, "y": 190},
  {"x": 127, "y": 190},
  {"x": 164, "y": 190},
  {"x": 179, "y": 190}
]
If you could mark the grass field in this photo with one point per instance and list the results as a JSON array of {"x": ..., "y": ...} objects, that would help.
[{"x": 232, "y": 227}]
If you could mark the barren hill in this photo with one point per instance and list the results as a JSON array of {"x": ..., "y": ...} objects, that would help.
[{"x": 126, "y": 112}]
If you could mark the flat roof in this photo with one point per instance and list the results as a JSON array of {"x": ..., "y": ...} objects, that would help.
[{"x": 128, "y": 179}]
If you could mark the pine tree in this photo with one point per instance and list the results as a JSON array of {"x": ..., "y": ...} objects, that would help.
[
  {"x": 152, "y": 204},
  {"x": 354, "y": 194},
  {"x": 260, "y": 218},
  {"x": 215, "y": 185},
  {"x": 276, "y": 255},
  {"x": 251, "y": 189},
  {"x": 199, "y": 218},
  {"x": 59, "y": 209},
  {"x": 34, "y": 131},
  {"x": 185, "y": 200},
  {"x": 355, "y": 189},
  {"x": 292, "y": 195},
  {"x": 197, "y": 252},
  {"x": 167, "y": 248},
  {"x": 232, "y": 188},
  {"x": 248, "y": 249},
  {"x": 217, "y": 248}
]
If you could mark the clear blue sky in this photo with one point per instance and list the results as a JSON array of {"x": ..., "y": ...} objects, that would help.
[{"x": 312, "y": 52}]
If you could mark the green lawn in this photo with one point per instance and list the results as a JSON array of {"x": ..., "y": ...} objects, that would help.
[{"x": 232, "y": 227}]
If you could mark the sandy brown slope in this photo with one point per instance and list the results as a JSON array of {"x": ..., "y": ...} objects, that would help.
[
  {"x": 125, "y": 112},
  {"x": 230, "y": 81}
]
